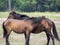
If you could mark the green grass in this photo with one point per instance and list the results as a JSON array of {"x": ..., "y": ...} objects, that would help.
[{"x": 3, "y": 14}]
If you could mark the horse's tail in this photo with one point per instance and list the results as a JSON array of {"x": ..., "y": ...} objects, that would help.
[
  {"x": 55, "y": 32},
  {"x": 4, "y": 30}
]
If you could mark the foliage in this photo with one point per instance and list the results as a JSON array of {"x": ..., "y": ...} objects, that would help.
[
  {"x": 3, "y": 5},
  {"x": 31, "y": 5}
]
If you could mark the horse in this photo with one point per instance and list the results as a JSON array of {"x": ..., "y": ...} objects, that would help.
[
  {"x": 41, "y": 24},
  {"x": 15, "y": 15},
  {"x": 18, "y": 26},
  {"x": 46, "y": 25},
  {"x": 33, "y": 25}
]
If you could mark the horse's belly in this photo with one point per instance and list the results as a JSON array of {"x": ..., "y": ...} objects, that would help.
[
  {"x": 18, "y": 29},
  {"x": 37, "y": 30},
  {"x": 18, "y": 32}
]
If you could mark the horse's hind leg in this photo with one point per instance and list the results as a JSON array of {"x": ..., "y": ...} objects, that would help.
[
  {"x": 7, "y": 42},
  {"x": 48, "y": 38},
  {"x": 27, "y": 37},
  {"x": 52, "y": 38},
  {"x": 7, "y": 37},
  {"x": 49, "y": 34}
]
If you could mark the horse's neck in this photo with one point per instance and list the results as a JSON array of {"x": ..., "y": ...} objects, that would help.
[{"x": 36, "y": 20}]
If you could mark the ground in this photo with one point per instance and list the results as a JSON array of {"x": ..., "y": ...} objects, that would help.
[{"x": 35, "y": 39}]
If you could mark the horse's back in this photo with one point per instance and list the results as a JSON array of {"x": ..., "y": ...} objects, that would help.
[
  {"x": 18, "y": 24},
  {"x": 14, "y": 21}
]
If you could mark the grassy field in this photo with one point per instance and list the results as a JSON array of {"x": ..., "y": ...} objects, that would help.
[{"x": 36, "y": 39}]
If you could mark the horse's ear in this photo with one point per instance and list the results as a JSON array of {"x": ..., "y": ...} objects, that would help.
[{"x": 13, "y": 12}]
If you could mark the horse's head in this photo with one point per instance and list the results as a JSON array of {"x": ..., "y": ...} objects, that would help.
[
  {"x": 12, "y": 14},
  {"x": 15, "y": 15}
]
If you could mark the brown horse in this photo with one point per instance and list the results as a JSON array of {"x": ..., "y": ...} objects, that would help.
[
  {"x": 32, "y": 25},
  {"x": 41, "y": 24},
  {"x": 18, "y": 26},
  {"x": 47, "y": 26}
]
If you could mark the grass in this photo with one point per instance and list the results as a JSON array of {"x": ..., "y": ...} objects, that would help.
[
  {"x": 36, "y": 39},
  {"x": 3, "y": 14}
]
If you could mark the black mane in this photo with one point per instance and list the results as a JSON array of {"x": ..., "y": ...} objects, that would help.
[
  {"x": 18, "y": 16},
  {"x": 22, "y": 16}
]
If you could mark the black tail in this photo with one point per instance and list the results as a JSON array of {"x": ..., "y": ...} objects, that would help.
[
  {"x": 4, "y": 31},
  {"x": 55, "y": 32}
]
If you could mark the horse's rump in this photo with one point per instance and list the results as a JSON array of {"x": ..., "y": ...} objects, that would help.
[{"x": 18, "y": 25}]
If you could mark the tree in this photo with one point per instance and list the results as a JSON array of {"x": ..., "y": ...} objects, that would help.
[
  {"x": 31, "y": 5},
  {"x": 3, "y": 5},
  {"x": 9, "y": 5}
]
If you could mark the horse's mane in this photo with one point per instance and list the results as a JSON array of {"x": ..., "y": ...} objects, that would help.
[
  {"x": 14, "y": 13},
  {"x": 17, "y": 15},
  {"x": 22, "y": 16}
]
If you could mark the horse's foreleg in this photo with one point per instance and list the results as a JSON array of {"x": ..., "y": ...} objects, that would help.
[{"x": 27, "y": 37}]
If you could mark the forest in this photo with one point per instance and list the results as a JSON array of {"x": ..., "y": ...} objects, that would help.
[{"x": 31, "y": 5}]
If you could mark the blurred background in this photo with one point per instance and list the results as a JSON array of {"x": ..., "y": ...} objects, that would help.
[
  {"x": 30, "y": 5},
  {"x": 33, "y": 8}
]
